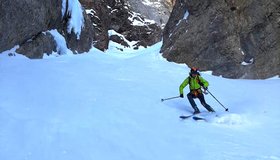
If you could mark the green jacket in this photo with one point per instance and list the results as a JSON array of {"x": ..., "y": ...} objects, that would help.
[{"x": 194, "y": 83}]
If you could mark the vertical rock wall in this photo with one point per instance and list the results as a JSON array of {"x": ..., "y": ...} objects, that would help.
[
  {"x": 25, "y": 22},
  {"x": 233, "y": 38}
]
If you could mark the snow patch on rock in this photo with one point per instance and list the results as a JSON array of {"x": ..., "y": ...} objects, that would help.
[{"x": 75, "y": 11}]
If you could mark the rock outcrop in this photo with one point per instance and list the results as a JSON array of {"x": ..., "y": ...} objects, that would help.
[
  {"x": 157, "y": 10},
  {"x": 25, "y": 23},
  {"x": 117, "y": 15},
  {"x": 233, "y": 38},
  {"x": 37, "y": 46},
  {"x": 99, "y": 14},
  {"x": 85, "y": 40}
]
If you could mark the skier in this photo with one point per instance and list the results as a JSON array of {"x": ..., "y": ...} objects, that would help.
[{"x": 195, "y": 82}]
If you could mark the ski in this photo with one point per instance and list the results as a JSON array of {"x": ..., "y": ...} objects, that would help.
[
  {"x": 193, "y": 117},
  {"x": 186, "y": 117},
  {"x": 199, "y": 118},
  {"x": 205, "y": 117}
]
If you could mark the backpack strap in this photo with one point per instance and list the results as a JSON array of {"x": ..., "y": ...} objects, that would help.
[
  {"x": 199, "y": 82},
  {"x": 197, "y": 79}
]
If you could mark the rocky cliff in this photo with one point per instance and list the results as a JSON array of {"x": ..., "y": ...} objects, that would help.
[
  {"x": 29, "y": 24},
  {"x": 157, "y": 10},
  {"x": 118, "y": 16},
  {"x": 26, "y": 22},
  {"x": 233, "y": 38}
]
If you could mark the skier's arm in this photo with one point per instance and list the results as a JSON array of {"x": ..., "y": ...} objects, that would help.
[
  {"x": 183, "y": 85},
  {"x": 204, "y": 83}
]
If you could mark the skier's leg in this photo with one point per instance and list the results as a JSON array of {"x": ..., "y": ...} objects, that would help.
[
  {"x": 190, "y": 98},
  {"x": 202, "y": 101}
]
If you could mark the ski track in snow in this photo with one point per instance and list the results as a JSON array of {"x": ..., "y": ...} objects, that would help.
[{"x": 107, "y": 107}]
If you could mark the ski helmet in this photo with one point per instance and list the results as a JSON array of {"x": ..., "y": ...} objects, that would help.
[{"x": 194, "y": 70}]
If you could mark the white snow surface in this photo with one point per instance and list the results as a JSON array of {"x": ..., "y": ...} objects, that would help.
[
  {"x": 97, "y": 106},
  {"x": 10, "y": 51},
  {"x": 137, "y": 21},
  {"x": 61, "y": 46},
  {"x": 151, "y": 3}
]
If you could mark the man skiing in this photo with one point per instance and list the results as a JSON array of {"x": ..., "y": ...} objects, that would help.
[{"x": 195, "y": 82}]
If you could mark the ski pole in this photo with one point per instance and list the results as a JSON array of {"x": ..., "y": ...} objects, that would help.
[
  {"x": 169, "y": 98},
  {"x": 226, "y": 109}
]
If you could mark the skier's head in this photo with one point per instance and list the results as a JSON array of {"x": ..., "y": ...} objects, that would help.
[{"x": 194, "y": 71}]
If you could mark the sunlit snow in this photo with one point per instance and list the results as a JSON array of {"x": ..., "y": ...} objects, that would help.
[{"x": 106, "y": 106}]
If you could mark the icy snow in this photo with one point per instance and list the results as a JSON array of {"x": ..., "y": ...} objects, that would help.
[
  {"x": 151, "y": 3},
  {"x": 91, "y": 12},
  {"x": 61, "y": 45},
  {"x": 251, "y": 61},
  {"x": 11, "y": 51},
  {"x": 186, "y": 15},
  {"x": 137, "y": 21},
  {"x": 115, "y": 47},
  {"x": 107, "y": 107},
  {"x": 76, "y": 21}
]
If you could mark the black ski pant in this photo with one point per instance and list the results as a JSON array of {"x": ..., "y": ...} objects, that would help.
[{"x": 202, "y": 101}]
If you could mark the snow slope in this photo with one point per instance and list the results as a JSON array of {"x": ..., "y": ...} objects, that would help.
[{"x": 98, "y": 106}]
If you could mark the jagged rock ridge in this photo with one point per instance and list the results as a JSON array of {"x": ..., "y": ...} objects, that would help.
[
  {"x": 158, "y": 10},
  {"x": 117, "y": 15}
]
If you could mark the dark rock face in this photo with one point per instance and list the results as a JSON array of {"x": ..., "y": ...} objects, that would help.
[
  {"x": 157, "y": 10},
  {"x": 122, "y": 20},
  {"x": 116, "y": 15},
  {"x": 99, "y": 13},
  {"x": 43, "y": 43},
  {"x": 84, "y": 43},
  {"x": 20, "y": 20},
  {"x": 118, "y": 39},
  {"x": 235, "y": 39},
  {"x": 23, "y": 22},
  {"x": 26, "y": 22},
  {"x": 146, "y": 36}
]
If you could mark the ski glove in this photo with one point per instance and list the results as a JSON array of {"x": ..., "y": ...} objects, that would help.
[{"x": 181, "y": 95}]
